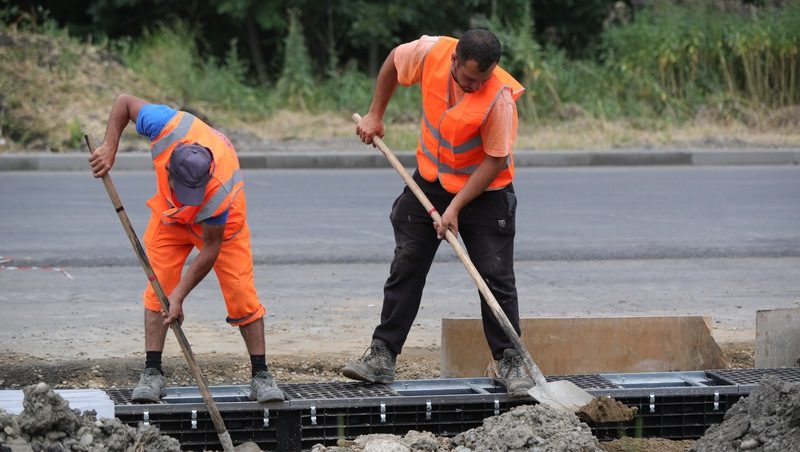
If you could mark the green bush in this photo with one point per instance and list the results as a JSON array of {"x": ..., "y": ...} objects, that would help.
[
  {"x": 168, "y": 56},
  {"x": 675, "y": 57}
]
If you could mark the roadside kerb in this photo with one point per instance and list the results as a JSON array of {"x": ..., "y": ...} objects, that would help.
[
  {"x": 767, "y": 157},
  {"x": 300, "y": 160}
]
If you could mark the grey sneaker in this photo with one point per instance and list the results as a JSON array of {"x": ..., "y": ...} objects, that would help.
[
  {"x": 376, "y": 365},
  {"x": 151, "y": 388},
  {"x": 513, "y": 375},
  {"x": 263, "y": 388}
]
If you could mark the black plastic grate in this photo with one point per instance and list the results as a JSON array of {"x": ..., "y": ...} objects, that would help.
[
  {"x": 331, "y": 424},
  {"x": 585, "y": 381},
  {"x": 753, "y": 376},
  {"x": 120, "y": 396},
  {"x": 336, "y": 390},
  {"x": 668, "y": 417}
]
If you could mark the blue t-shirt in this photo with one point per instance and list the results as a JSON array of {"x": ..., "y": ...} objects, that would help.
[{"x": 151, "y": 119}]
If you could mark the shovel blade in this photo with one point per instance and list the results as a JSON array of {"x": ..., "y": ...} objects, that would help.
[{"x": 562, "y": 395}]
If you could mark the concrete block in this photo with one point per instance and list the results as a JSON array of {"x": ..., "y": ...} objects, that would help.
[
  {"x": 763, "y": 157},
  {"x": 570, "y": 346},
  {"x": 18, "y": 162},
  {"x": 640, "y": 158},
  {"x": 778, "y": 338},
  {"x": 551, "y": 158}
]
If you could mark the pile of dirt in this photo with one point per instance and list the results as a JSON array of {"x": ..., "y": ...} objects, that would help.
[
  {"x": 47, "y": 423},
  {"x": 524, "y": 428},
  {"x": 767, "y": 420},
  {"x": 606, "y": 409}
]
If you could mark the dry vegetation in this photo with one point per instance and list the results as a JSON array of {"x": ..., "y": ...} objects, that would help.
[{"x": 54, "y": 89}]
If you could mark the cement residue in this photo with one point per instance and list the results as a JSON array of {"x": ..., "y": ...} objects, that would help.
[
  {"x": 768, "y": 420},
  {"x": 530, "y": 427},
  {"x": 524, "y": 428},
  {"x": 606, "y": 409},
  {"x": 48, "y": 424}
]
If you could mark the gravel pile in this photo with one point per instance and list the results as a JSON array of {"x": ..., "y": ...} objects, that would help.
[
  {"x": 524, "y": 428},
  {"x": 768, "y": 420},
  {"x": 47, "y": 423}
]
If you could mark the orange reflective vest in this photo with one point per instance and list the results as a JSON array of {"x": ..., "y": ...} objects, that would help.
[
  {"x": 450, "y": 145},
  {"x": 225, "y": 190}
]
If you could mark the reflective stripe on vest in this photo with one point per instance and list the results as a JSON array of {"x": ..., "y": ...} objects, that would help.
[
  {"x": 447, "y": 169},
  {"x": 173, "y": 136},
  {"x": 215, "y": 202},
  {"x": 450, "y": 146},
  {"x": 461, "y": 148}
]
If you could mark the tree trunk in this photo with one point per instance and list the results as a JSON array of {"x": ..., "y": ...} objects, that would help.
[
  {"x": 373, "y": 58},
  {"x": 255, "y": 49}
]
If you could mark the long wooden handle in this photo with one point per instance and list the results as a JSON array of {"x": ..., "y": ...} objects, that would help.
[
  {"x": 202, "y": 384},
  {"x": 501, "y": 317}
]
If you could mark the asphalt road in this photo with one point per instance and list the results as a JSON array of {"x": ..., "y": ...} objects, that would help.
[
  {"x": 716, "y": 241},
  {"x": 341, "y": 216}
]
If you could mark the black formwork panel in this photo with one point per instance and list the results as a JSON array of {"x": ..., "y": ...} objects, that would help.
[
  {"x": 330, "y": 424},
  {"x": 326, "y": 412},
  {"x": 243, "y": 426},
  {"x": 670, "y": 417}
]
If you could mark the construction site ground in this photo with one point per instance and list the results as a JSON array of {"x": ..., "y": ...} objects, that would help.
[{"x": 415, "y": 363}]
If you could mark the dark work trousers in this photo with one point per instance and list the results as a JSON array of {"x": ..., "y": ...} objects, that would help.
[{"x": 486, "y": 225}]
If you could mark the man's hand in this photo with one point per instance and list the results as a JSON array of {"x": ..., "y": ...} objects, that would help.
[
  {"x": 125, "y": 109},
  {"x": 368, "y": 127},
  {"x": 449, "y": 221},
  {"x": 175, "y": 312},
  {"x": 102, "y": 159}
]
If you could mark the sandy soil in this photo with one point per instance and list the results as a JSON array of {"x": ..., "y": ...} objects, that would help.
[{"x": 17, "y": 370}]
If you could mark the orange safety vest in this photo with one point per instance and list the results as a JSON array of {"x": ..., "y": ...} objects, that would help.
[
  {"x": 450, "y": 145},
  {"x": 225, "y": 189}
]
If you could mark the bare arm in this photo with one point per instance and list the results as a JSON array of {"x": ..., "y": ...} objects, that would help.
[
  {"x": 484, "y": 174},
  {"x": 126, "y": 108},
  {"x": 372, "y": 123},
  {"x": 198, "y": 269}
]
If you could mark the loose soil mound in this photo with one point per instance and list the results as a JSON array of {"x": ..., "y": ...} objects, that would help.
[
  {"x": 767, "y": 420},
  {"x": 606, "y": 409},
  {"x": 48, "y": 424}
]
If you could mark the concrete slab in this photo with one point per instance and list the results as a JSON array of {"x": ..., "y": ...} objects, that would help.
[
  {"x": 778, "y": 338},
  {"x": 568, "y": 346}
]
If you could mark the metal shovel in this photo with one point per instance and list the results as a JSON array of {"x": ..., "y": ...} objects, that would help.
[{"x": 562, "y": 394}]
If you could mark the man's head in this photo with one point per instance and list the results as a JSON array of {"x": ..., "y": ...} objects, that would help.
[
  {"x": 475, "y": 58},
  {"x": 189, "y": 172}
]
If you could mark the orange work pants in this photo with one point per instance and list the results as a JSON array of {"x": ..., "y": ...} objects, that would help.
[{"x": 168, "y": 246}]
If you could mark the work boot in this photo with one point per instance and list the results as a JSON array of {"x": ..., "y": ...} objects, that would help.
[
  {"x": 263, "y": 388},
  {"x": 375, "y": 366},
  {"x": 513, "y": 375},
  {"x": 151, "y": 388}
]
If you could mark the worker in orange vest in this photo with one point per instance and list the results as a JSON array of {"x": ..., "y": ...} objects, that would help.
[
  {"x": 199, "y": 203},
  {"x": 465, "y": 167}
]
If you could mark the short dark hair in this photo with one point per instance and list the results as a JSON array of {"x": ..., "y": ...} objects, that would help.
[{"x": 479, "y": 45}]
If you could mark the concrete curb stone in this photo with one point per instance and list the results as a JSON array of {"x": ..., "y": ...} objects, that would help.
[{"x": 296, "y": 160}]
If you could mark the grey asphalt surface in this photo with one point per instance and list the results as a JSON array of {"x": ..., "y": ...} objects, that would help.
[{"x": 658, "y": 240}]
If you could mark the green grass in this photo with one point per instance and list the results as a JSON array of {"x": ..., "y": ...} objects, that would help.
[{"x": 676, "y": 63}]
